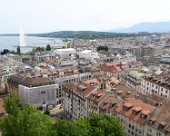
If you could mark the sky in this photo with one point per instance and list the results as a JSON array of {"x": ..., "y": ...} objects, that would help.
[{"x": 37, "y": 16}]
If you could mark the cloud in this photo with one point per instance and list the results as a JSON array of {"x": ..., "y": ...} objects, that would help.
[{"x": 55, "y": 15}]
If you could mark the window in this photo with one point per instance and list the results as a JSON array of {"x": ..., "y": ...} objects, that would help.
[
  {"x": 129, "y": 125},
  {"x": 150, "y": 130},
  {"x": 43, "y": 92},
  {"x": 134, "y": 112},
  {"x": 125, "y": 108},
  {"x": 142, "y": 116},
  {"x": 132, "y": 127},
  {"x": 158, "y": 134}
]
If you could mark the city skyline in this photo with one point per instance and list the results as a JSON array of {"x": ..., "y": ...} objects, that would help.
[{"x": 56, "y": 15}]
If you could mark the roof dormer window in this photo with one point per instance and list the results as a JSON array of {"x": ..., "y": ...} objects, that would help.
[
  {"x": 136, "y": 110},
  {"x": 127, "y": 106},
  {"x": 161, "y": 125},
  {"x": 142, "y": 116}
]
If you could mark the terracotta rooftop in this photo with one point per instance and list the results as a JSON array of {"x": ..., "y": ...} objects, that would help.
[
  {"x": 81, "y": 88},
  {"x": 130, "y": 104},
  {"x": 110, "y": 103},
  {"x": 110, "y": 68},
  {"x": 123, "y": 91},
  {"x": 93, "y": 81},
  {"x": 33, "y": 82},
  {"x": 97, "y": 96},
  {"x": 160, "y": 118}
]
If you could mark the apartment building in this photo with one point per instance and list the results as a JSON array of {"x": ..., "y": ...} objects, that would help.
[
  {"x": 41, "y": 57},
  {"x": 156, "y": 84},
  {"x": 94, "y": 100},
  {"x": 132, "y": 79},
  {"x": 75, "y": 102},
  {"x": 68, "y": 79},
  {"x": 133, "y": 115},
  {"x": 159, "y": 122},
  {"x": 110, "y": 69}
]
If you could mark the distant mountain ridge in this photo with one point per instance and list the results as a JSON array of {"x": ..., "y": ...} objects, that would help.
[{"x": 160, "y": 27}]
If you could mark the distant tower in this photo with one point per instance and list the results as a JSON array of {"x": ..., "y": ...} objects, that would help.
[{"x": 22, "y": 37}]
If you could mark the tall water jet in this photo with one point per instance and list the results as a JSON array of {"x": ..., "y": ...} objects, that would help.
[{"x": 22, "y": 37}]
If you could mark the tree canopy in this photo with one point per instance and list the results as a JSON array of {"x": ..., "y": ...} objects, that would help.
[
  {"x": 5, "y": 51},
  {"x": 48, "y": 47},
  {"x": 24, "y": 121},
  {"x": 28, "y": 121},
  {"x": 96, "y": 125},
  {"x": 18, "y": 50},
  {"x": 40, "y": 49}
]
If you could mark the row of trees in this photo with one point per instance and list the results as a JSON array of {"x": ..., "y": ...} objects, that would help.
[
  {"x": 42, "y": 49},
  {"x": 6, "y": 51},
  {"x": 28, "y": 121},
  {"x": 18, "y": 51}
]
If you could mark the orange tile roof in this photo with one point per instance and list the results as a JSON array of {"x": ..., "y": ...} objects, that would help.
[
  {"x": 76, "y": 88},
  {"x": 115, "y": 80},
  {"x": 110, "y": 68},
  {"x": 93, "y": 81},
  {"x": 97, "y": 96},
  {"x": 146, "y": 109}
]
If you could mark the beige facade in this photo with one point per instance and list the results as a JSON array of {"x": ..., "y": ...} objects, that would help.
[{"x": 155, "y": 87}]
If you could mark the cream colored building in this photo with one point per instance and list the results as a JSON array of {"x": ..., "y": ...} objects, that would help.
[
  {"x": 157, "y": 85},
  {"x": 133, "y": 114}
]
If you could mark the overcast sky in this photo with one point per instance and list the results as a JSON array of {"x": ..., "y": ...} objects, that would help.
[{"x": 56, "y": 15}]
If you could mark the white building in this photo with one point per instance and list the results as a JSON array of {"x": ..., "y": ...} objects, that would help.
[
  {"x": 37, "y": 91},
  {"x": 65, "y": 53},
  {"x": 157, "y": 85},
  {"x": 86, "y": 54}
]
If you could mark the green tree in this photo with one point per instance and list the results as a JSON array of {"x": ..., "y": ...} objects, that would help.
[
  {"x": 48, "y": 47},
  {"x": 18, "y": 50},
  {"x": 104, "y": 125},
  {"x": 47, "y": 112},
  {"x": 97, "y": 125},
  {"x": 78, "y": 127},
  {"x": 68, "y": 44},
  {"x": 11, "y": 104},
  {"x": 39, "y": 49},
  {"x": 24, "y": 121}
]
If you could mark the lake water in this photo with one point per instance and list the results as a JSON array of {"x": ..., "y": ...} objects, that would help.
[{"x": 10, "y": 42}]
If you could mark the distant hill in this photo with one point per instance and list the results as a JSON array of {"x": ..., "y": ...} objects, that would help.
[
  {"x": 83, "y": 34},
  {"x": 160, "y": 27}
]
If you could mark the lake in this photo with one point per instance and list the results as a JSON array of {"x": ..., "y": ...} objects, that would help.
[{"x": 11, "y": 42}]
